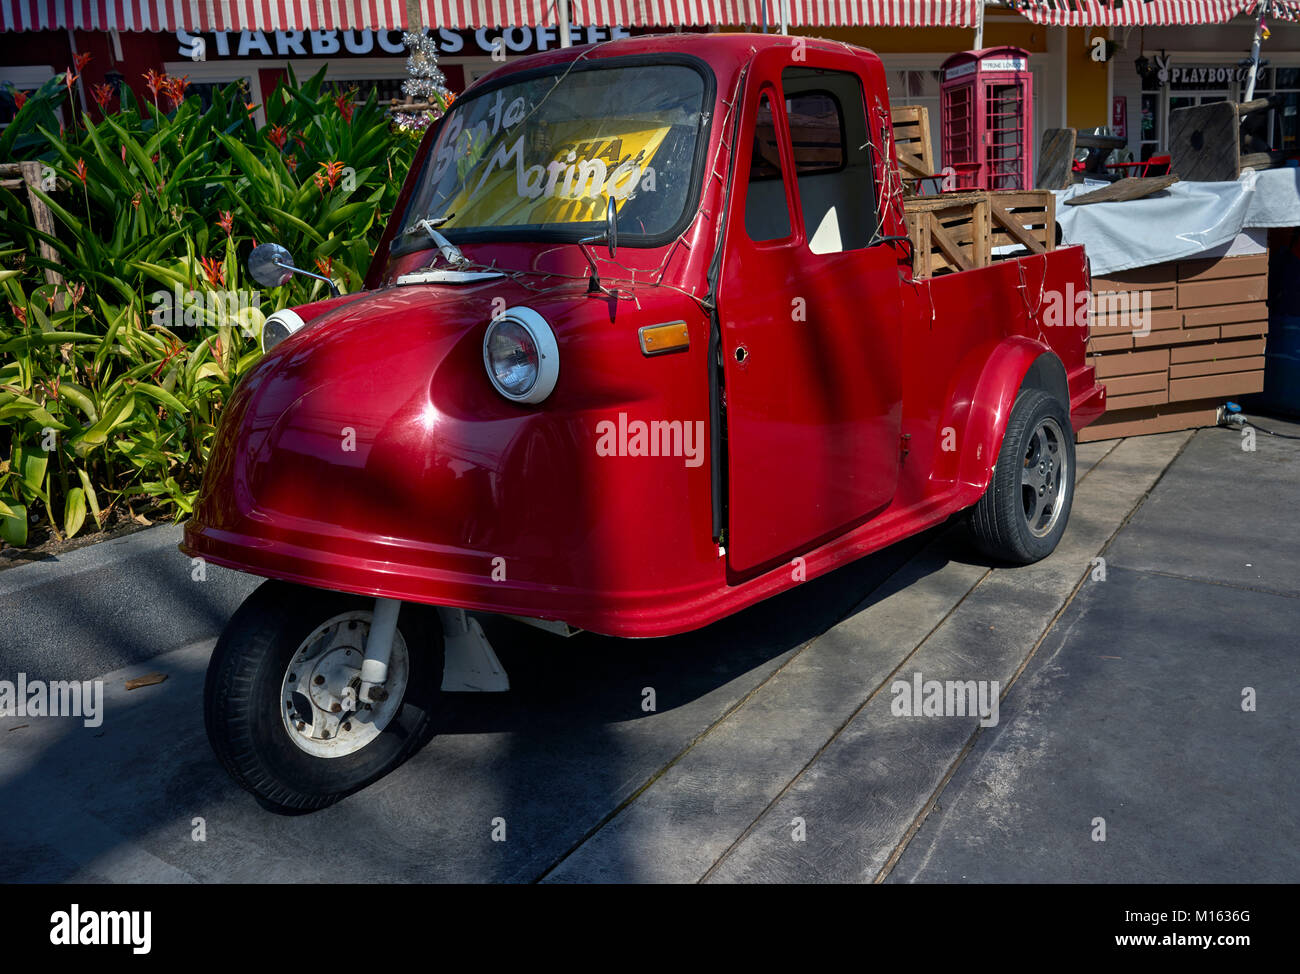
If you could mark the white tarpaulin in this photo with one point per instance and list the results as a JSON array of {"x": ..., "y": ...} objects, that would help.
[{"x": 1182, "y": 221}]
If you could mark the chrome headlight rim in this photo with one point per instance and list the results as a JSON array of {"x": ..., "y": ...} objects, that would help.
[
  {"x": 548, "y": 354},
  {"x": 288, "y": 318}
]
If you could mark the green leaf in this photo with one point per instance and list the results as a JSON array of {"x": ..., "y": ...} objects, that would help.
[
  {"x": 164, "y": 397},
  {"x": 91, "y": 497},
  {"x": 13, "y": 525},
  {"x": 74, "y": 511}
]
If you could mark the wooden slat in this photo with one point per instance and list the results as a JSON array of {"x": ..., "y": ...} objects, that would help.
[
  {"x": 1010, "y": 224},
  {"x": 1133, "y": 188},
  {"x": 1056, "y": 159},
  {"x": 950, "y": 247}
]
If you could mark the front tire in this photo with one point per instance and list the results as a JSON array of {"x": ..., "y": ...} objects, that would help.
[
  {"x": 1023, "y": 513},
  {"x": 286, "y": 659}
]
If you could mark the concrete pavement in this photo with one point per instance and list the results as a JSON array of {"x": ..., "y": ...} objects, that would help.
[{"x": 774, "y": 752}]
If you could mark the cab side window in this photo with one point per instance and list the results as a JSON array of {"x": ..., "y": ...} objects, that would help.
[
  {"x": 767, "y": 212},
  {"x": 833, "y": 158}
]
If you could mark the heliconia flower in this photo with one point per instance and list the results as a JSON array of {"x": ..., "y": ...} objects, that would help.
[
  {"x": 227, "y": 221},
  {"x": 291, "y": 162},
  {"x": 19, "y": 312},
  {"x": 174, "y": 88},
  {"x": 153, "y": 81},
  {"x": 343, "y": 102},
  {"x": 80, "y": 170},
  {"x": 81, "y": 60},
  {"x": 297, "y": 137},
  {"x": 214, "y": 270},
  {"x": 329, "y": 174},
  {"x": 124, "y": 154},
  {"x": 20, "y": 99},
  {"x": 70, "y": 78},
  {"x": 324, "y": 265},
  {"x": 135, "y": 200},
  {"x": 278, "y": 135},
  {"x": 103, "y": 94}
]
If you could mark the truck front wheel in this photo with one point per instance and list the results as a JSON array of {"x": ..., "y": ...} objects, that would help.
[
  {"x": 1023, "y": 513},
  {"x": 282, "y": 701}
]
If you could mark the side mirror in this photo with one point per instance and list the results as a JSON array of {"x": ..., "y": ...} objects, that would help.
[
  {"x": 609, "y": 238},
  {"x": 611, "y": 227},
  {"x": 271, "y": 265}
]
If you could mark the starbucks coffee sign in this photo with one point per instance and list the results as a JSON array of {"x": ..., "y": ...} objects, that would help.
[{"x": 370, "y": 43}]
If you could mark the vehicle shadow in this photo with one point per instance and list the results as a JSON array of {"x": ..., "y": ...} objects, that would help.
[{"x": 508, "y": 788}]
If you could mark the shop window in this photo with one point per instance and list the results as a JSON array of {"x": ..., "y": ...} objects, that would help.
[
  {"x": 15, "y": 79},
  {"x": 918, "y": 87}
]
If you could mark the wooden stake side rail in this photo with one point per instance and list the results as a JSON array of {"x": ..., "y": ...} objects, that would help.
[{"x": 962, "y": 231}]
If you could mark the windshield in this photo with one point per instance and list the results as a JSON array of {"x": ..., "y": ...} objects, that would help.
[{"x": 542, "y": 156}]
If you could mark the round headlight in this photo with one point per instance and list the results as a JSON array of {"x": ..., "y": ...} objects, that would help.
[
  {"x": 280, "y": 326},
  {"x": 521, "y": 355}
]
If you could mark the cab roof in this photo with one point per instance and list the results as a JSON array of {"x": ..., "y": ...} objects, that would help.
[{"x": 724, "y": 53}]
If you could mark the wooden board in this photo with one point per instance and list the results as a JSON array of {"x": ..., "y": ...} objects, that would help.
[
  {"x": 1132, "y": 188},
  {"x": 29, "y": 174},
  {"x": 1136, "y": 419},
  {"x": 1056, "y": 159},
  {"x": 1205, "y": 141}
]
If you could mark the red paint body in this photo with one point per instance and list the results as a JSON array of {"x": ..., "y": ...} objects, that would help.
[{"x": 835, "y": 425}]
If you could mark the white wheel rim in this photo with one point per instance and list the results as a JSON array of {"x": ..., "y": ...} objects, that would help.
[{"x": 319, "y": 695}]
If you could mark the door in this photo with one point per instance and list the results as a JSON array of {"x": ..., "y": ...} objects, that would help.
[{"x": 810, "y": 311}]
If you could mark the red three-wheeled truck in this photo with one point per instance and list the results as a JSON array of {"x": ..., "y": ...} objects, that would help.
[{"x": 641, "y": 345}]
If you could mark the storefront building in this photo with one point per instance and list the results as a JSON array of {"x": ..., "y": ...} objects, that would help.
[{"x": 1123, "y": 65}]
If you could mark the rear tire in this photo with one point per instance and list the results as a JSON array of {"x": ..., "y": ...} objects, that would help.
[
  {"x": 261, "y": 725},
  {"x": 1024, "y": 511}
]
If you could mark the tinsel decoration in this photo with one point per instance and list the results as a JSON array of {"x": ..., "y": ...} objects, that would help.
[{"x": 426, "y": 83}]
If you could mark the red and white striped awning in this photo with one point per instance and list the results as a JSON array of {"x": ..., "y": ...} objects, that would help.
[
  {"x": 801, "y": 13},
  {"x": 235, "y": 15},
  {"x": 224, "y": 15},
  {"x": 1103, "y": 13}
]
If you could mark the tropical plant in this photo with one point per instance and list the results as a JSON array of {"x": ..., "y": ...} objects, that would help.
[{"x": 120, "y": 342}]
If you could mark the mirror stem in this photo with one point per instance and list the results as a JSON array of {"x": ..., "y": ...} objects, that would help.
[{"x": 334, "y": 291}]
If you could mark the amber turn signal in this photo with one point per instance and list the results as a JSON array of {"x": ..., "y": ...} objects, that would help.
[{"x": 671, "y": 336}]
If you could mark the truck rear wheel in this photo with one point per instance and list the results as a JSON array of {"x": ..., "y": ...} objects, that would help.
[
  {"x": 1023, "y": 513},
  {"x": 281, "y": 700}
]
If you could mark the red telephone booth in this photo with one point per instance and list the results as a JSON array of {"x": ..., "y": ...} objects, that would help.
[{"x": 986, "y": 118}]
